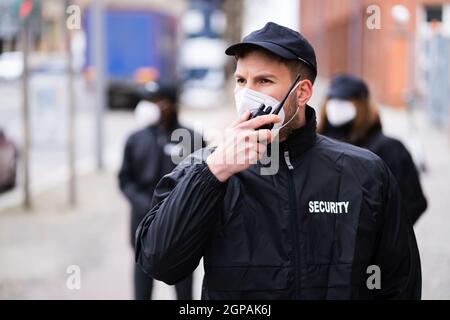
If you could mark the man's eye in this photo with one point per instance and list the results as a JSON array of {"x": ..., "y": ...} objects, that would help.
[
  {"x": 240, "y": 80},
  {"x": 265, "y": 81}
]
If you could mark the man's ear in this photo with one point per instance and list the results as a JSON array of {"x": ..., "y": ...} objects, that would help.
[{"x": 304, "y": 92}]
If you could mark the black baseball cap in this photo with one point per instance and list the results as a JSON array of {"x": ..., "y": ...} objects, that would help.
[
  {"x": 281, "y": 41},
  {"x": 345, "y": 86},
  {"x": 154, "y": 91}
]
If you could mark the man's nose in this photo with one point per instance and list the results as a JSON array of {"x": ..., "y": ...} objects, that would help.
[{"x": 250, "y": 85}]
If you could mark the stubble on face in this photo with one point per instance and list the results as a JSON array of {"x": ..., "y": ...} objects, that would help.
[{"x": 295, "y": 123}]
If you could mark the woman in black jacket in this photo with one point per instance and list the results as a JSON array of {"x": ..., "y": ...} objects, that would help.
[{"x": 349, "y": 115}]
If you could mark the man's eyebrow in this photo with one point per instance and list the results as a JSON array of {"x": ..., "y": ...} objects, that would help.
[
  {"x": 259, "y": 76},
  {"x": 266, "y": 75}
]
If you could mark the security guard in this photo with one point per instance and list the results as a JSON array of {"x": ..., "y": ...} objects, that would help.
[
  {"x": 315, "y": 229},
  {"x": 349, "y": 114},
  {"x": 147, "y": 158}
]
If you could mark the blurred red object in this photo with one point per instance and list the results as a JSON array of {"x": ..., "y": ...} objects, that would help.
[{"x": 26, "y": 8}]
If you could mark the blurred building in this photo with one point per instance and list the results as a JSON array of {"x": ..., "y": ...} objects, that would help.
[
  {"x": 257, "y": 13},
  {"x": 201, "y": 53},
  {"x": 392, "y": 56},
  {"x": 54, "y": 15}
]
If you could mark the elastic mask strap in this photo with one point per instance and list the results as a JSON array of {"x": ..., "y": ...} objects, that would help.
[{"x": 296, "y": 112}]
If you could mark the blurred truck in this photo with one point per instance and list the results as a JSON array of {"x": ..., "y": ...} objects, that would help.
[
  {"x": 202, "y": 58},
  {"x": 140, "y": 47}
]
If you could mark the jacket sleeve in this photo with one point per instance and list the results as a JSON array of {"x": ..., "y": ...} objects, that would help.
[
  {"x": 397, "y": 254},
  {"x": 402, "y": 166},
  {"x": 410, "y": 188},
  {"x": 185, "y": 208},
  {"x": 127, "y": 181}
]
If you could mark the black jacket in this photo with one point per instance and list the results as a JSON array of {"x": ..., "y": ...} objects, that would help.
[
  {"x": 402, "y": 166},
  {"x": 399, "y": 161},
  {"x": 309, "y": 232},
  {"x": 146, "y": 160}
]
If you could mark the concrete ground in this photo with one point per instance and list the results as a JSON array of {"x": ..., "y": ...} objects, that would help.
[{"x": 37, "y": 247}]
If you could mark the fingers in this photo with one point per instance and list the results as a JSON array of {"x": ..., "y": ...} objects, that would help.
[
  {"x": 241, "y": 119},
  {"x": 251, "y": 153},
  {"x": 258, "y": 122},
  {"x": 264, "y": 135},
  {"x": 256, "y": 152},
  {"x": 262, "y": 148},
  {"x": 256, "y": 136},
  {"x": 240, "y": 149},
  {"x": 253, "y": 142}
]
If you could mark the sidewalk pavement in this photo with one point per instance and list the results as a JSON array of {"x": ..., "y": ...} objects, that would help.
[
  {"x": 37, "y": 247},
  {"x": 432, "y": 230}
]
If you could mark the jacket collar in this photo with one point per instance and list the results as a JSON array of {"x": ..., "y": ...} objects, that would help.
[{"x": 302, "y": 138}]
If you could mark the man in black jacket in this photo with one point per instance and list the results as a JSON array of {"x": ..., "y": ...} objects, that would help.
[
  {"x": 147, "y": 158},
  {"x": 327, "y": 224}
]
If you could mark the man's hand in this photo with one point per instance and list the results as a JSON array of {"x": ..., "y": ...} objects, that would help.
[{"x": 241, "y": 147}]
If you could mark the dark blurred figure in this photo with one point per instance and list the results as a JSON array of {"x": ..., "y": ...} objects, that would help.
[
  {"x": 349, "y": 115},
  {"x": 8, "y": 163},
  {"x": 147, "y": 158}
]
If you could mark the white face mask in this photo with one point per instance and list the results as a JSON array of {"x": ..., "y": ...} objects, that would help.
[
  {"x": 147, "y": 113},
  {"x": 249, "y": 100},
  {"x": 340, "y": 112}
]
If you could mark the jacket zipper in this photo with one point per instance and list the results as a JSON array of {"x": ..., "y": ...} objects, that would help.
[{"x": 293, "y": 206}]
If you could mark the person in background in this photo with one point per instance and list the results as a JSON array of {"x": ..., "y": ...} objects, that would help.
[
  {"x": 147, "y": 158},
  {"x": 349, "y": 115}
]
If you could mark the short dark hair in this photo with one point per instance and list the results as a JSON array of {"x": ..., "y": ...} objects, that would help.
[{"x": 295, "y": 66}]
